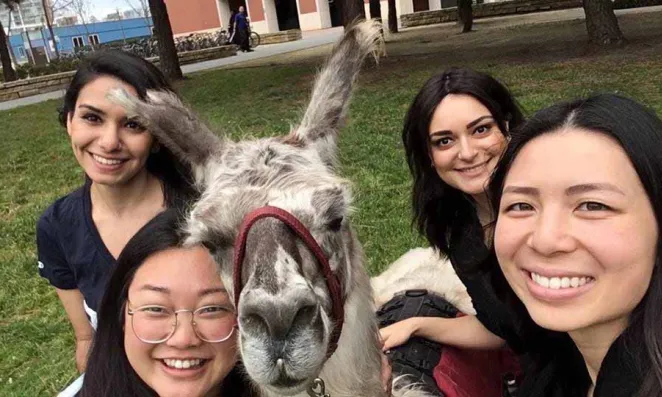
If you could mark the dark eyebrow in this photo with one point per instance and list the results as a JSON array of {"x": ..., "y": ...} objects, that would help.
[
  {"x": 572, "y": 190},
  {"x": 529, "y": 191},
  {"x": 211, "y": 291},
  {"x": 165, "y": 290},
  {"x": 442, "y": 133},
  {"x": 155, "y": 288},
  {"x": 590, "y": 187},
  {"x": 92, "y": 108},
  {"x": 470, "y": 125},
  {"x": 478, "y": 120}
]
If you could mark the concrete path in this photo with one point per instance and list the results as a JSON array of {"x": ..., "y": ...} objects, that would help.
[
  {"x": 327, "y": 36},
  {"x": 309, "y": 40}
]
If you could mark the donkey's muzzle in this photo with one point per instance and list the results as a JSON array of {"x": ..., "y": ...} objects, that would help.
[{"x": 279, "y": 319}]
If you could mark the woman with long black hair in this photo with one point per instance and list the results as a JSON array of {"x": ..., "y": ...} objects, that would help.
[
  {"x": 455, "y": 132},
  {"x": 129, "y": 178},
  {"x": 166, "y": 322},
  {"x": 579, "y": 200}
]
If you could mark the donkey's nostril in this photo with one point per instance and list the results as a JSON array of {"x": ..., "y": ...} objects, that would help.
[
  {"x": 254, "y": 322},
  {"x": 305, "y": 315}
]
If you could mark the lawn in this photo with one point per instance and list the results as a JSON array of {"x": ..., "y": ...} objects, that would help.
[{"x": 541, "y": 66}]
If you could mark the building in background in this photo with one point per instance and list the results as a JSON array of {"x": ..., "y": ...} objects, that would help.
[
  {"x": 28, "y": 13},
  {"x": 266, "y": 16},
  {"x": 67, "y": 20},
  {"x": 69, "y": 38},
  {"x": 27, "y": 22}
]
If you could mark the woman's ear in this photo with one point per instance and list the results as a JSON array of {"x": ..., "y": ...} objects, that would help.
[{"x": 69, "y": 117}]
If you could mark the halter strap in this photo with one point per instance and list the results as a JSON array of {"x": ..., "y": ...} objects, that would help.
[{"x": 332, "y": 283}]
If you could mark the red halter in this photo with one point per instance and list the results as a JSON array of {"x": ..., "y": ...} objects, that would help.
[{"x": 332, "y": 283}]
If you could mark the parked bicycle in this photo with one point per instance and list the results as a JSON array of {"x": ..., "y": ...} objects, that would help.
[{"x": 254, "y": 39}]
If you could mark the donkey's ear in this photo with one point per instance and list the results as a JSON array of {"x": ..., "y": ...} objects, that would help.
[
  {"x": 326, "y": 112},
  {"x": 173, "y": 125}
]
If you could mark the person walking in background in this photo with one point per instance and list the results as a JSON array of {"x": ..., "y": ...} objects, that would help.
[
  {"x": 231, "y": 30},
  {"x": 241, "y": 30}
]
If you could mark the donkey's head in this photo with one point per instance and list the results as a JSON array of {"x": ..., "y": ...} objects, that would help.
[{"x": 285, "y": 309}]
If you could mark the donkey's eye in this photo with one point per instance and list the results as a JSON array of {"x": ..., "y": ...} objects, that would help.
[{"x": 335, "y": 224}]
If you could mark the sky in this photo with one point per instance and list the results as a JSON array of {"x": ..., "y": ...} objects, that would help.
[{"x": 101, "y": 8}]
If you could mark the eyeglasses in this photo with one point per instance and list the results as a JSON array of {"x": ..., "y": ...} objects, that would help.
[{"x": 156, "y": 324}]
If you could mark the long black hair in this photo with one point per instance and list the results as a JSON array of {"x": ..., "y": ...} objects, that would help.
[
  {"x": 109, "y": 372},
  {"x": 639, "y": 132},
  {"x": 446, "y": 216},
  {"x": 142, "y": 75}
]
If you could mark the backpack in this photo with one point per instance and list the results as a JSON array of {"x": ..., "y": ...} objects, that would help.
[{"x": 446, "y": 371}]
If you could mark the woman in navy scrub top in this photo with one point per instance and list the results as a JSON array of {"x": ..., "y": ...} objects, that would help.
[
  {"x": 129, "y": 179},
  {"x": 579, "y": 200}
]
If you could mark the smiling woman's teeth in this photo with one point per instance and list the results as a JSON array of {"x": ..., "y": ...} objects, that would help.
[
  {"x": 106, "y": 161},
  {"x": 560, "y": 282},
  {"x": 185, "y": 364},
  {"x": 472, "y": 168}
]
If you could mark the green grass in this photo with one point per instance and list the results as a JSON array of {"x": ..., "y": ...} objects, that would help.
[{"x": 36, "y": 347}]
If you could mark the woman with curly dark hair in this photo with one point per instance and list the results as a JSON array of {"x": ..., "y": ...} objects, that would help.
[{"x": 455, "y": 132}]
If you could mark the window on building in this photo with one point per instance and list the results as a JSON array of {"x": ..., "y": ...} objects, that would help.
[
  {"x": 93, "y": 39},
  {"x": 78, "y": 41},
  {"x": 21, "y": 51}
]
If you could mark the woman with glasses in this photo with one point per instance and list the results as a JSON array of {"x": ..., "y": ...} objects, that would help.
[{"x": 166, "y": 322}]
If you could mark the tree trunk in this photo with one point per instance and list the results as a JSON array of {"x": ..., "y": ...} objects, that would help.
[
  {"x": 375, "y": 9},
  {"x": 49, "y": 24},
  {"x": 601, "y": 23},
  {"x": 392, "y": 17},
  {"x": 31, "y": 57},
  {"x": 351, "y": 11},
  {"x": 168, "y": 60},
  {"x": 465, "y": 15},
  {"x": 7, "y": 68}
]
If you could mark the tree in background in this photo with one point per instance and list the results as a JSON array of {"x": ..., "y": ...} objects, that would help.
[
  {"x": 465, "y": 15},
  {"x": 168, "y": 59},
  {"x": 351, "y": 11},
  {"x": 392, "y": 17},
  {"x": 601, "y": 23},
  {"x": 50, "y": 7},
  {"x": 140, "y": 7},
  {"x": 8, "y": 71},
  {"x": 82, "y": 10}
]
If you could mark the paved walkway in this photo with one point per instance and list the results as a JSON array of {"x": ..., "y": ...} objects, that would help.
[
  {"x": 309, "y": 40},
  {"x": 327, "y": 36}
]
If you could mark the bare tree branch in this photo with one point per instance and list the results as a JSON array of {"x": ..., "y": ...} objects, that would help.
[
  {"x": 141, "y": 7},
  {"x": 82, "y": 10}
]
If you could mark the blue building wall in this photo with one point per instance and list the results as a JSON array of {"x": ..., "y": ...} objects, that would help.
[{"x": 64, "y": 35}]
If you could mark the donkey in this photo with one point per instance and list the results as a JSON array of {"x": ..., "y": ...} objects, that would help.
[{"x": 289, "y": 318}]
